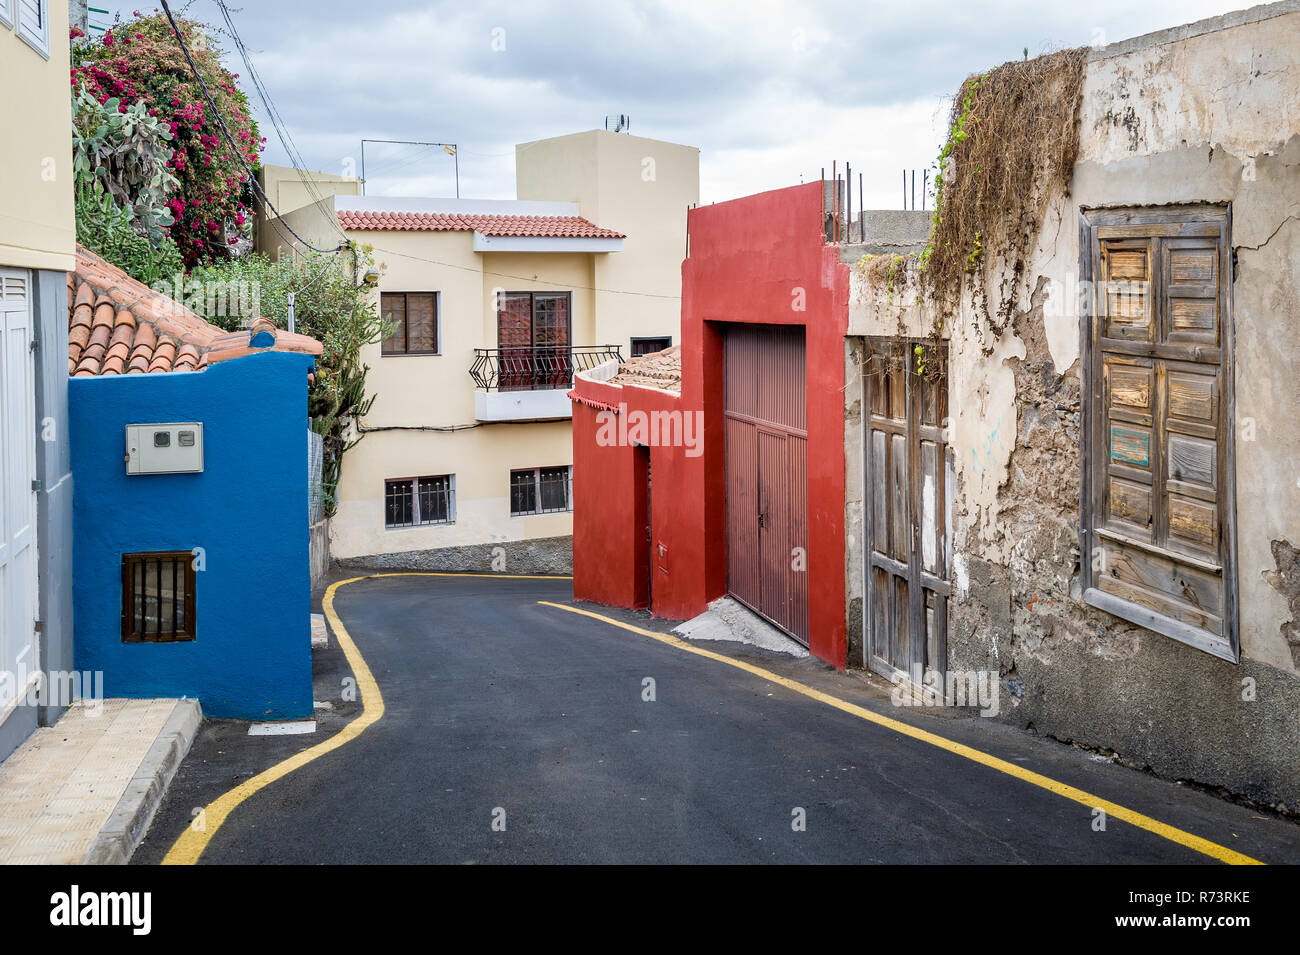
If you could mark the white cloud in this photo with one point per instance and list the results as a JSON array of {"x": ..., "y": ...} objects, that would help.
[{"x": 769, "y": 91}]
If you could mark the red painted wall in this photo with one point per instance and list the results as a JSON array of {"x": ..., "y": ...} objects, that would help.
[{"x": 752, "y": 260}]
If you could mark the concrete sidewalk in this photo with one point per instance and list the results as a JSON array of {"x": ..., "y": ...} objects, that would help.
[{"x": 86, "y": 789}]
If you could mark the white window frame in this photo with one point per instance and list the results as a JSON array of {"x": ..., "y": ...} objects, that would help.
[
  {"x": 36, "y": 36},
  {"x": 7, "y": 13}
]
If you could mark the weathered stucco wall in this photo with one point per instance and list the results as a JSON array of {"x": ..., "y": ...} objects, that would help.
[{"x": 1206, "y": 114}]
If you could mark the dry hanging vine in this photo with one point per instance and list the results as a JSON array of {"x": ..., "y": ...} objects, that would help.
[{"x": 1013, "y": 138}]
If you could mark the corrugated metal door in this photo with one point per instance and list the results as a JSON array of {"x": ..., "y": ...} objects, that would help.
[
  {"x": 17, "y": 487},
  {"x": 767, "y": 473},
  {"x": 908, "y": 498}
]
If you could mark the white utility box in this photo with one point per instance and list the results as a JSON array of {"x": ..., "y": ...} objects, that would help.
[{"x": 175, "y": 448}]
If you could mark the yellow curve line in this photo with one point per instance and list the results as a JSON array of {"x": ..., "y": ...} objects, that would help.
[
  {"x": 187, "y": 849},
  {"x": 1164, "y": 830}
]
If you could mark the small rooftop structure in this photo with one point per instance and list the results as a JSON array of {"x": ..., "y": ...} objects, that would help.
[{"x": 661, "y": 370}]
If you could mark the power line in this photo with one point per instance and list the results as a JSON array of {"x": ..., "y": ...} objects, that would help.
[
  {"x": 388, "y": 171},
  {"x": 273, "y": 113},
  {"x": 252, "y": 179}
]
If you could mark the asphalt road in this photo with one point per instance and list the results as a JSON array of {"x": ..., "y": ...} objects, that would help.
[{"x": 500, "y": 710}]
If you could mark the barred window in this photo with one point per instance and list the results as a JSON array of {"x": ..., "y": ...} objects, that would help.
[
  {"x": 540, "y": 490},
  {"x": 158, "y": 597},
  {"x": 422, "y": 500}
]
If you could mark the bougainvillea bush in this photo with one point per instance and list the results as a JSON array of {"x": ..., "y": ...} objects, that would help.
[{"x": 139, "y": 61}]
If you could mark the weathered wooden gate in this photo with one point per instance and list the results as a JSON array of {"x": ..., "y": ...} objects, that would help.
[
  {"x": 767, "y": 473},
  {"x": 907, "y": 509}
]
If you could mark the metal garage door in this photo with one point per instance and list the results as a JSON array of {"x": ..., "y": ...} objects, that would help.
[
  {"x": 17, "y": 486},
  {"x": 767, "y": 473}
]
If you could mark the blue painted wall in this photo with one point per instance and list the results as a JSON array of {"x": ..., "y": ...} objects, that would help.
[{"x": 247, "y": 510}]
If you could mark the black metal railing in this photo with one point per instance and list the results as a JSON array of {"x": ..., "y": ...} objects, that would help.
[{"x": 536, "y": 369}]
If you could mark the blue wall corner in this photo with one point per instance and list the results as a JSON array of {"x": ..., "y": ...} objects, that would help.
[{"x": 252, "y": 655}]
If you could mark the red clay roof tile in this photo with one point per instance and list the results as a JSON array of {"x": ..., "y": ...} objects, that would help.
[
  {"x": 117, "y": 324},
  {"x": 661, "y": 369},
  {"x": 547, "y": 227}
]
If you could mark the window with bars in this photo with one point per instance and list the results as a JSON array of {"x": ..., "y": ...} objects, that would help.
[
  {"x": 1158, "y": 502},
  {"x": 540, "y": 491},
  {"x": 158, "y": 597},
  {"x": 648, "y": 346},
  {"x": 422, "y": 500},
  {"x": 414, "y": 316}
]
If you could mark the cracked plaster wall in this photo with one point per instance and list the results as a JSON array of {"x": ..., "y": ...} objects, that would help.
[{"x": 1208, "y": 118}]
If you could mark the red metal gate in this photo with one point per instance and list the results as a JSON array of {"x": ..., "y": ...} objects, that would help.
[{"x": 767, "y": 473}]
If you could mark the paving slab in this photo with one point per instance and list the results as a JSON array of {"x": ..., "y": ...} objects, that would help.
[{"x": 86, "y": 789}]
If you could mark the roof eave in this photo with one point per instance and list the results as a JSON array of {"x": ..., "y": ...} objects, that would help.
[{"x": 520, "y": 243}]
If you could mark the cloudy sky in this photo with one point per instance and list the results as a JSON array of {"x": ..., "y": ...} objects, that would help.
[{"x": 769, "y": 91}]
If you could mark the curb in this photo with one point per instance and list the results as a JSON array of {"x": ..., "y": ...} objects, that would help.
[{"x": 129, "y": 821}]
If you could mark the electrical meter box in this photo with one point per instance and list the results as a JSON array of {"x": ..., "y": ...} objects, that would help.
[{"x": 175, "y": 448}]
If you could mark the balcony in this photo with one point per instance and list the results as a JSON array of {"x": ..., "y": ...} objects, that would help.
[{"x": 531, "y": 384}]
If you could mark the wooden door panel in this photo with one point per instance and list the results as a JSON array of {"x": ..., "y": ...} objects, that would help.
[{"x": 907, "y": 493}]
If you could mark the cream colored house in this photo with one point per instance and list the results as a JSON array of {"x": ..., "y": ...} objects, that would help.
[
  {"x": 465, "y": 458},
  {"x": 290, "y": 190},
  {"x": 37, "y": 251}
]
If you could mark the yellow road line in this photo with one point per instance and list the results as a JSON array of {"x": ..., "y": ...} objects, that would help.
[
  {"x": 187, "y": 849},
  {"x": 1164, "y": 830}
]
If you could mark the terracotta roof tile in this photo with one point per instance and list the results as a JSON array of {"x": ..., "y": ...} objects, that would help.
[
  {"x": 661, "y": 369},
  {"x": 548, "y": 227},
  {"x": 117, "y": 325}
]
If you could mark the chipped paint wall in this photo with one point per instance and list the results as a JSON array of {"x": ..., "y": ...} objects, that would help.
[{"x": 1205, "y": 113}]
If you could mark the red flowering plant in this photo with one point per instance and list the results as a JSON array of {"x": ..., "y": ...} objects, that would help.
[{"x": 139, "y": 62}]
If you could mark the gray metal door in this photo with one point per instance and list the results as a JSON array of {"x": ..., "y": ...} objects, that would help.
[
  {"x": 907, "y": 508},
  {"x": 767, "y": 473}
]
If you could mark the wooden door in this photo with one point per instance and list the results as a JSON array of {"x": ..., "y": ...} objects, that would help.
[{"x": 907, "y": 508}]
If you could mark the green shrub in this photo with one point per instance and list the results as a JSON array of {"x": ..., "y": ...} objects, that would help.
[
  {"x": 124, "y": 152},
  {"x": 330, "y": 307},
  {"x": 139, "y": 62},
  {"x": 110, "y": 232}
]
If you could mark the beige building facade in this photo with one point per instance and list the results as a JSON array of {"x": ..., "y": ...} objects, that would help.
[
  {"x": 37, "y": 251},
  {"x": 465, "y": 459}
]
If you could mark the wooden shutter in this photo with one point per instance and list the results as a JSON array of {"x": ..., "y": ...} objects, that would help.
[
  {"x": 551, "y": 320},
  {"x": 392, "y": 306},
  {"x": 33, "y": 25},
  {"x": 421, "y": 322},
  {"x": 1158, "y": 504},
  {"x": 515, "y": 320}
]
